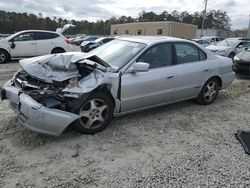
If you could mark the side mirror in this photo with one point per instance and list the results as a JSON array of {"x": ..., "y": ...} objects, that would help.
[
  {"x": 139, "y": 67},
  {"x": 13, "y": 45},
  {"x": 240, "y": 46}
]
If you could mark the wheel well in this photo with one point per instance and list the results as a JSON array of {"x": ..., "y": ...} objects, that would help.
[
  {"x": 57, "y": 48},
  {"x": 106, "y": 89},
  {"x": 219, "y": 79},
  {"x": 231, "y": 53},
  {"x": 6, "y": 52}
]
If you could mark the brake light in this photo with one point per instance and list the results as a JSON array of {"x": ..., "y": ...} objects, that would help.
[{"x": 67, "y": 41}]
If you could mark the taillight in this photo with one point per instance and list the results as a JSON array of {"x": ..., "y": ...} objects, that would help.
[{"x": 67, "y": 41}]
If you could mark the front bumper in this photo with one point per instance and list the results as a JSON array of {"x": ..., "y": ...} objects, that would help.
[{"x": 35, "y": 116}]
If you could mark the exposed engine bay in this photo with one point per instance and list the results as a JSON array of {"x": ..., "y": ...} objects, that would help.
[{"x": 55, "y": 93}]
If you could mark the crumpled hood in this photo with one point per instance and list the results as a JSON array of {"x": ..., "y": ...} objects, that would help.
[
  {"x": 53, "y": 67},
  {"x": 218, "y": 48}
]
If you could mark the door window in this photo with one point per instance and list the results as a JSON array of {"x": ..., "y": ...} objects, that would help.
[
  {"x": 186, "y": 53},
  {"x": 157, "y": 56},
  {"x": 25, "y": 37}
]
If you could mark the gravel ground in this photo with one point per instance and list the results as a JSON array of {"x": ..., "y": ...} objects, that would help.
[{"x": 181, "y": 145}]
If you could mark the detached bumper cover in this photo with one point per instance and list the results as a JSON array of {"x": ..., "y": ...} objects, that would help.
[{"x": 37, "y": 117}]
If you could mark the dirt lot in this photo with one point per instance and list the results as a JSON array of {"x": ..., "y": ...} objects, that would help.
[{"x": 182, "y": 145}]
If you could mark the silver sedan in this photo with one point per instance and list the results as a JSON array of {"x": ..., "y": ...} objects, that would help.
[{"x": 128, "y": 74}]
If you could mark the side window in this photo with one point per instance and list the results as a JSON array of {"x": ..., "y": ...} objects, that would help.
[
  {"x": 25, "y": 37},
  {"x": 45, "y": 35},
  {"x": 217, "y": 39},
  {"x": 187, "y": 53},
  {"x": 158, "y": 56},
  {"x": 202, "y": 55},
  {"x": 212, "y": 40}
]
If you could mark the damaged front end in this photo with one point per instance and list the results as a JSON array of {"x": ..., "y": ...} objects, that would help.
[{"x": 48, "y": 89}]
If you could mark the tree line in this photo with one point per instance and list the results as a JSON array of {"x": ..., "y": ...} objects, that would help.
[{"x": 11, "y": 22}]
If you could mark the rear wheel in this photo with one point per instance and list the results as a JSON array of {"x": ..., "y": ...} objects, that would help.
[
  {"x": 4, "y": 56},
  {"x": 95, "y": 113},
  {"x": 209, "y": 92}
]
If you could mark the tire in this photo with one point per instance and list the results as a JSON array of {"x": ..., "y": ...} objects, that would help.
[
  {"x": 207, "y": 96},
  {"x": 57, "y": 51},
  {"x": 231, "y": 55},
  {"x": 96, "y": 113},
  {"x": 4, "y": 56}
]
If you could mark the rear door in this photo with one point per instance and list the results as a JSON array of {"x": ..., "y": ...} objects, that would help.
[
  {"x": 145, "y": 89},
  {"x": 46, "y": 42},
  {"x": 193, "y": 70},
  {"x": 23, "y": 45}
]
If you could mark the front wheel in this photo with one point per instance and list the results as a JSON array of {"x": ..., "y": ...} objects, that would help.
[
  {"x": 95, "y": 114},
  {"x": 3, "y": 56},
  {"x": 209, "y": 92}
]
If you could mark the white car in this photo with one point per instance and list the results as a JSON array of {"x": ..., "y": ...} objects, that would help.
[
  {"x": 212, "y": 39},
  {"x": 229, "y": 47},
  {"x": 202, "y": 42},
  {"x": 30, "y": 43}
]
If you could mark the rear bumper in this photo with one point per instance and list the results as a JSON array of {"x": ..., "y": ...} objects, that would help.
[{"x": 35, "y": 116}]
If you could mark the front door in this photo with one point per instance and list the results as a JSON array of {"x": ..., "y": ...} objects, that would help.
[
  {"x": 156, "y": 86},
  {"x": 23, "y": 45}
]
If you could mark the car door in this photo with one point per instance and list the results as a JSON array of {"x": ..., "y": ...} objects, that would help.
[
  {"x": 156, "y": 86},
  {"x": 46, "y": 42},
  {"x": 23, "y": 45},
  {"x": 193, "y": 70}
]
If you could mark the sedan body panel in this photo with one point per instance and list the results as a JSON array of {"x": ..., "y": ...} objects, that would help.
[{"x": 142, "y": 89}]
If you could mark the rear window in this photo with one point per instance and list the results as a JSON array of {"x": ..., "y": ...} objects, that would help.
[{"x": 45, "y": 35}]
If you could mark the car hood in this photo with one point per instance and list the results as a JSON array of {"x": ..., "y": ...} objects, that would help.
[
  {"x": 244, "y": 56},
  {"x": 218, "y": 48},
  {"x": 53, "y": 67}
]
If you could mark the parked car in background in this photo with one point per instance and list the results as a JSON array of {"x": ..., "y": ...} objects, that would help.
[
  {"x": 212, "y": 39},
  {"x": 122, "y": 76},
  {"x": 202, "y": 42},
  {"x": 33, "y": 43},
  {"x": 229, "y": 47},
  {"x": 87, "y": 46},
  {"x": 242, "y": 62},
  {"x": 79, "y": 40}
]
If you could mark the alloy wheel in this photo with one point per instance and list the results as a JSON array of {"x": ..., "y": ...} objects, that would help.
[
  {"x": 93, "y": 114},
  {"x": 210, "y": 91},
  {"x": 2, "y": 57}
]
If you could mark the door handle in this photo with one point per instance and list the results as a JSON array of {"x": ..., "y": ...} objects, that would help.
[
  {"x": 169, "y": 77},
  {"x": 33, "y": 43},
  {"x": 206, "y": 70}
]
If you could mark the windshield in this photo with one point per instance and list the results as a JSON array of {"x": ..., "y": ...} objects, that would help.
[
  {"x": 228, "y": 42},
  {"x": 117, "y": 53}
]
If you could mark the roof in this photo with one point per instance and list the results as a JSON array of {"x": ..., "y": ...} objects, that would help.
[
  {"x": 37, "y": 31},
  {"x": 150, "y": 39}
]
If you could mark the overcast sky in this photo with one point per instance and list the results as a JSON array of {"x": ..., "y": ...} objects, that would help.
[{"x": 91, "y": 10}]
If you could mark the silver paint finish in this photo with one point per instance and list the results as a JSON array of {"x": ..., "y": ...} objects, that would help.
[{"x": 139, "y": 90}]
